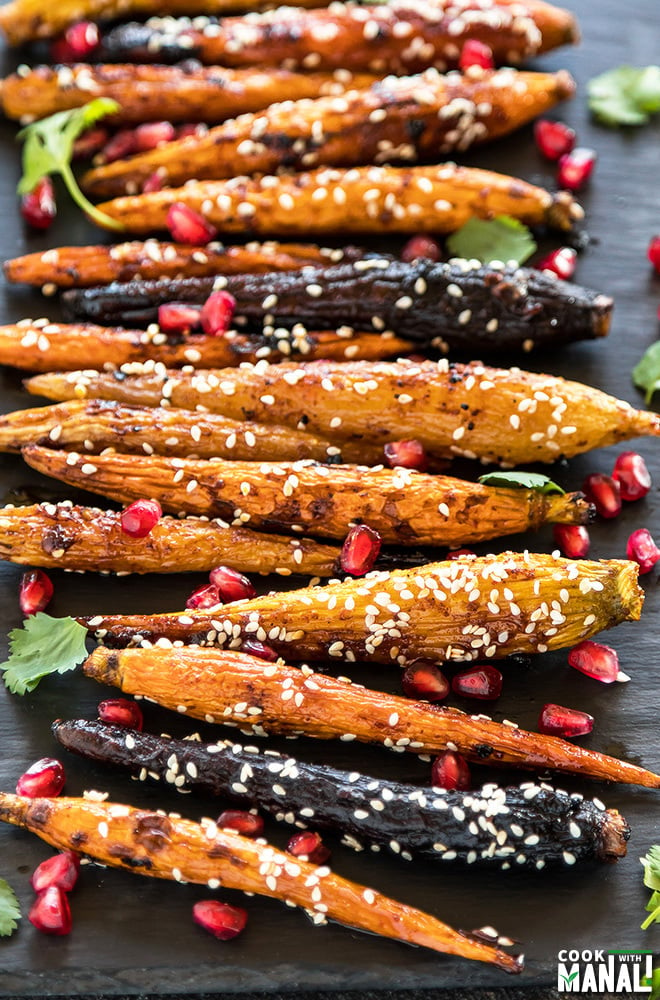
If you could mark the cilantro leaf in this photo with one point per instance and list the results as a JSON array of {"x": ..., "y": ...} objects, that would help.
[
  {"x": 626, "y": 95},
  {"x": 646, "y": 373},
  {"x": 502, "y": 239},
  {"x": 43, "y": 646},
  {"x": 651, "y": 865},
  {"x": 10, "y": 911},
  {"x": 48, "y": 149},
  {"x": 521, "y": 481}
]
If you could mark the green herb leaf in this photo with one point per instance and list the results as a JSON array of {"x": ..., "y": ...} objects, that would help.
[
  {"x": 48, "y": 149},
  {"x": 521, "y": 481},
  {"x": 625, "y": 95},
  {"x": 651, "y": 865},
  {"x": 646, "y": 373},
  {"x": 10, "y": 911},
  {"x": 501, "y": 239},
  {"x": 43, "y": 646}
]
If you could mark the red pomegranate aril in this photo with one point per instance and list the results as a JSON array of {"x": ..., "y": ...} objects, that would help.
[
  {"x": 191, "y": 128},
  {"x": 451, "y": 770},
  {"x": 459, "y": 553},
  {"x": 217, "y": 313},
  {"x": 557, "y": 720},
  {"x": 220, "y": 919},
  {"x": 38, "y": 206},
  {"x": 561, "y": 262},
  {"x": 77, "y": 44},
  {"x": 420, "y": 247},
  {"x": 248, "y": 824},
  {"x": 575, "y": 168},
  {"x": 44, "y": 779},
  {"x": 409, "y": 454},
  {"x": 642, "y": 549},
  {"x": 140, "y": 518},
  {"x": 154, "y": 182},
  {"x": 150, "y": 135},
  {"x": 632, "y": 475},
  {"x": 257, "y": 648},
  {"x": 231, "y": 585},
  {"x": 204, "y": 597},
  {"x": 572, "y": 539},
  {"x": 604, "y": 493},
  {"x": 50, "y": 912},
  {"x": 61, "y": 870},
  {"x": 121, "y": 145},
  {"x": 360, "y": 550},
  {"x": 121, "y": 712},
  {"x": 35, "y": 592},
  {"x": 476, "y": 53},
  {"x": 179, "y": 317},
  {"x": 188, "y": 226},
  {"x": 308, "y": 846},
  {"x": 484, "y": 682},
  {"x": 423, "y": 680},
  {"x": 553, "y": 139},
  {"x": 653, "y": 252},
  {"x": 90, "y": 143},
  {"x": 595, "y": 660}
]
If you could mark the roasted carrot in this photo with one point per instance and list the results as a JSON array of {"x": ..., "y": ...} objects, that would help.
[
  {"x": 464, "y": 609},
  {"x": 531, "y": 825},
  {"x": 169, "y": 847},
  {"x": 260, "y": 698},
  {"x": 498, "y": 415},
  {"x": 403, "y": 506},
  {"x": 69, "y": 537},
  {"x": 398, "y": 119}
]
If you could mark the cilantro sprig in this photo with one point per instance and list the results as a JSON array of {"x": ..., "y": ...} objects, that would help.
[
  {"x": 502, "y": 238},
  {"x": 651, "y": 865},
  {"x": 44, "y": 646},
  {"x": 521, "y": 481},
  {"x": 10, "y": 911},
  {"x": 646, "y": 373},
  {"x": 626, "y": 95},
  {"x": 48, "y": 149}
]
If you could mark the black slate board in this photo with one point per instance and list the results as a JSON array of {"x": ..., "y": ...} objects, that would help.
[{"x": 132, "y": 935}]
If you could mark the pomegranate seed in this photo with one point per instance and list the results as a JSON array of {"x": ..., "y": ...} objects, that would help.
[
  {"x": 35, "y": 592},
  {"x": 121, "y": 712},
  {"x": 256, "y": 648},
  {"x": 190, "y": 128},
  {"x": 575, "y": 168},
  {"x": 61, "y": 870},
  {"x": 154, "y": 182},
  {"x": 604, "y": 493},
  {"x": 50, "y": 912},
  {"x": 204, "y": 597},
  {"x": 450, "y": 770},
  {"x": 360, "y": 550},
  {"x": 423, "y": 680},
  {"x": 561, "y": 262},
  {"x": 572, "y": 539},
  {"x": 77, "y": 44},
  {"x": 217, "y": 313},
  {"x": 38, "y": 206},
  {"x": 642, "y": 549},
  {"x": 632, "y": 475},
  {"x": 188, "y": 226},
  {"x": 406, "y": 454},
  {"x": 483, "y": 682},
  {"x": 231, "y": 585},
  {"x": 553, "y": 139},
  {"x": 653, "y": 252},
  {"x": 220, "y": 919},
  {"x": 308, "y": 846},
  {"x": 595, "y": 660},
  {"x": 556, "y": 720},
  {"x": 246, "y": 823},
  {"x": 150, "y": 135},
  {"x": 121, "y": 145},
  {"x": 44, "y": 779},
  {"x": 476, "y": 53},
  {"x": 140, "y": 518},
  {"x": 420, "y": 247},
  {"x": 179, "y": 317},
  {"x": 90, "y": 143},
  {"x": 459, "y": 553}
]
